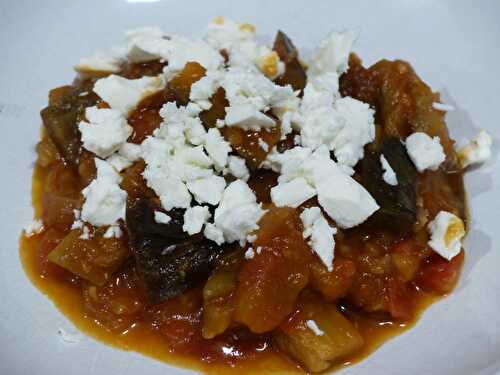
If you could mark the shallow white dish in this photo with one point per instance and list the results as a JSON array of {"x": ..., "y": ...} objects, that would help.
[{"x": 452, "y": 45}]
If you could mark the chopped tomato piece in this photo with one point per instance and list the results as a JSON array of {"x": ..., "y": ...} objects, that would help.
[{"x": 439, "y": 275}]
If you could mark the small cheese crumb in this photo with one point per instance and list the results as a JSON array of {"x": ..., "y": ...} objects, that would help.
[
  {"x": 99, "y": 62},
  {"x": 259, "y": 249},
  {"x": 125, "y": 94},
  {"x": 114, "y": 231},
  {"x": 389, "y": 175},
  {"x": 85, "y": 233},
  {"x": 292, "y": 193},
  {"x": 476, "y": 151},
  {"x": 238, "y": 168},
  {"x": 194, "y": 219},
  {"x": 311, "y": 324},
  {"x": 105, "y": 201},
  {"x": 443, "y": 107},
  {"x": 270, "y": 64},
  {"x": 424, "y": 151},
  {"x": 447, "y": 231},
  {"x": 162, "y": 217},
  {"x": 249, "y": 254},
  {"x": 105, "y": 132},
  {"x": 263, "y": 145},
  {"x": 213, "y": 233},
  {"x": 33, "y": 228},
  {"x": 207, "y": 189},
  {"x": 321, "y": 235},
  {"x": 217, "y": 148},
  {"x": 332, "y": 55}
]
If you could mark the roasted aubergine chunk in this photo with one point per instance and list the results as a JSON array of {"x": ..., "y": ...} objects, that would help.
[
  {"x": 398, "y": 209},
  {"x": 295, "y": 74},
  {"x": 169, "y": 261}
]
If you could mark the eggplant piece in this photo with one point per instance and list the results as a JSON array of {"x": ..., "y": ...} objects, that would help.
[
  {"x": 295, "y": 74},
  {"x": 66, "y": 108},
  {"x": 169, "y": 261},
  {"x": 398, "y": 208}
]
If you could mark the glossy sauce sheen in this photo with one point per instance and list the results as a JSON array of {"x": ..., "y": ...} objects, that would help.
[{"x": 119, "y": 314}]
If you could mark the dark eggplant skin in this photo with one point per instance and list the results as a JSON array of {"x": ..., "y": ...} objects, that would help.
[
  {"x": 62, "y": 116},
  {"x": 295, "y": 74},
  {"x": 398, "y": 208},
  {"x": 169, "y": 261}
]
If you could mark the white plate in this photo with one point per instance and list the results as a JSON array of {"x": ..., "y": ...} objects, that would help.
[{"x": 453, "y": 45}]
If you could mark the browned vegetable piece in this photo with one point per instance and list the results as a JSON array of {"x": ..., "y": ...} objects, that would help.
[
  {"x": 95, "y": 259},
  {"x": 66, "y": 108},
  {"x": 339, "y": 337},
  {"x": 134, "y": 183},
  {"x": 146, "y": 117},
  {"x": 169, "y": 261},
  {"x": 294, "y": 74},
  {"x": 218, "y": 304},
  {"x": 246, "y": 143},
  {"x": 269, "y": 283},
  {"x": 332, "y": 284},
  {"x": 218, "y": 109},
  {"x": 180, "y": 85},
  {"x": 139, "y": 70}
]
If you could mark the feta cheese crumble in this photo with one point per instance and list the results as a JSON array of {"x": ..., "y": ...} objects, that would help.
[
  {"x": 477, "y": 150},
  {"x": 447, "y": 231},
  {"x": 321, "y": 235},
  {"x": 162, "y": 217},
  {"x": 292, "y": 193},
  {"x": 311, "y": 324},
  {"x": 425, "y": 152},
  {"x": 33, "y": 228},
  {"x": 99, "y": 62},
  {"x": 104, "y": 199},
  {"x": 389, "y": 175},
  {"x": 249, "y": 254},
  {"x": 194, "y": 219},
  {"x": 105, "y": 132},
  {"x": 237, "y": 167},
  {"x": 125, "y": 94},
  {"x": 443, "y": 107}
]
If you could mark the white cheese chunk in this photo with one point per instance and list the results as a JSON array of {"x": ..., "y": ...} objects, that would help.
[
  {"x": 238, "y": 168},
  {"x": 238, "y": 212},
  {"x": 214, "y": 233},
  {"x": 292, "y": 193},
  {"x": 443, "y": 107},
  {"x": 332, "y": 55},
  {"x": 194, "y": 219},
  {"x": 345, "y": 200},
  {"x": 321, "y": 235},
  {"x": 113, "y": 231},
  {"x": 447, "y": 231},
  {"x": 311, "y": 324},
  {"x": 105, "y": 132},
  {"x": 248, "y": 117},
  {"x": 388, "y": 175},
  {"x": 250, "y": 253},
  {"x": 424, "y": 151},
  {"x": 263, "y": 145},
  {"x": 85, "y": 235},
  {"x": 127, "y": 154},
  {"x": 125, "y": 94},
  {"x": 162, "y": 217},
  {"x": 217, "y": 148},
  {"x": 476, "y": 151},
  {"x": 99, "y": 62},
  {"x": 269, "y": 63},
  {"x": 208, "y": 189},
  {"x": 145, "y": 44},
  {"x": 33, "y": 228},
  {"x": 104, "y": 199}
]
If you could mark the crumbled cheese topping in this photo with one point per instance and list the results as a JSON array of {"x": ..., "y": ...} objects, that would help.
[
  {"x": 162, "y": 217},
  {"x": 425, "y": 152},
  {"x": 250, "y": 253},
  {"x": 443, "y": 107},
  {"x": 125, "y": 94},
  {"x": 105, "y": 132},
  {"x": 447, "y": 231},
  {"x": 99, "y": 62},
  {"x": 320, "y": 233},
  {"x": 332, "y": 55},
  {"x": 476, "y": 151},
  {"x": 237, "y": 167},
  {"x": 292, "y": 193},
  {"x": 389, "y": 175},
  {"x": 194, "y": 219},
  {"x": 33, "y": 228},
  {"x": 127, "y": 154},
  {"x": 311, "y": 324},
  {"x": 104, "y": 199},
  {"x": 114, "y": 231}
]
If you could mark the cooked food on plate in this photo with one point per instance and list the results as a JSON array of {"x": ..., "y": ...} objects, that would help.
[{"x": 232, "y": 206}]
